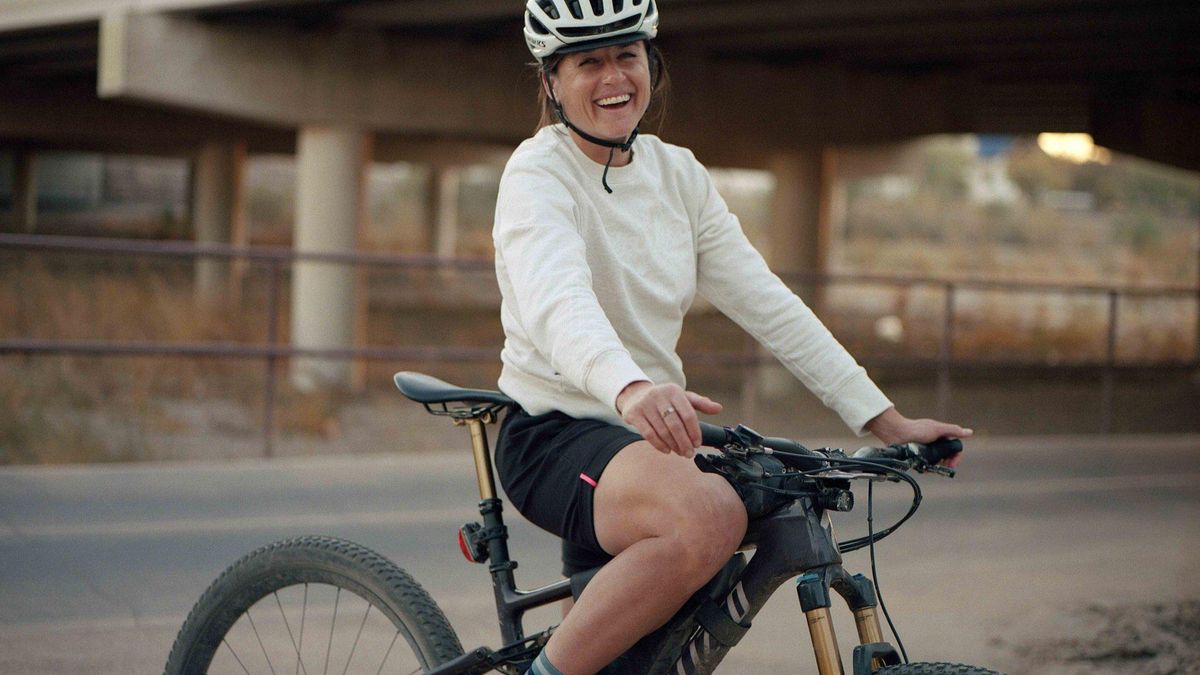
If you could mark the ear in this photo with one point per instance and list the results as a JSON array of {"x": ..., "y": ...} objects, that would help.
[{"x": 548, "y": 86}]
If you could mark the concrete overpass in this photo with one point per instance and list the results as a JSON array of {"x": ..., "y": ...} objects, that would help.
[{"x": 768, "y": 84}]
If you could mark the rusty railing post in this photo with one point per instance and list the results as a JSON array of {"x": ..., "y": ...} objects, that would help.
[
  {"x": 945, "y": 355},
  {"x": 1110, "y": 363},
  {"x": 272, "y": 344}
]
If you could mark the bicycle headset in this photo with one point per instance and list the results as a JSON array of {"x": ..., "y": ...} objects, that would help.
[{"x": 567, "y": 26}]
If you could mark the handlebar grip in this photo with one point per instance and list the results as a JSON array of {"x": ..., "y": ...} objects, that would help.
[
  {"x": 941, "y": 449},
  {"x": 713, "y": 436}
]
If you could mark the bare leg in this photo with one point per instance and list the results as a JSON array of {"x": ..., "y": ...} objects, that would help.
[{"x": 671, "y": 528}]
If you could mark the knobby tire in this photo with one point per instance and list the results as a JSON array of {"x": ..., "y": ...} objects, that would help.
[{"x": 377, "y": 599}]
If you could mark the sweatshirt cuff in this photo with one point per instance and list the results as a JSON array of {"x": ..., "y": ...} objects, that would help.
[
  {"x": 610, "y": 373},
  {"x": 859, "y": 401}
]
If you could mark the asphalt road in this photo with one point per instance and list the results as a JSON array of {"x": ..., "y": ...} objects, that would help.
[{"x": 99, "y": 565}]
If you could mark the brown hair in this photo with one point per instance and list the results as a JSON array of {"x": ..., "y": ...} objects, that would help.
[{"x": 659, "y": 83}]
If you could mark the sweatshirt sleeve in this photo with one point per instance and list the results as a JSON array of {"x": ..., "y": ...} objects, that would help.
[
  {"x": 544, "y": 257},
  {"x": 734, "y": 277}
]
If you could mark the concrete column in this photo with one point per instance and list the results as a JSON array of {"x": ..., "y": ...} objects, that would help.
[
  {"x": 25, "y": 192},
  {"x": 446, "y": 181},
  {"x": 433, "y": 206},
  {"x": 216, "y": 186},
  {"x": 801, "y": 213},
  {"x": 799, "y": 242},
  {"x": 331, "y": 171}
]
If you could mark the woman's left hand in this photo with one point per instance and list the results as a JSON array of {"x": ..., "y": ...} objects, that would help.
[{"x": 891, "y": 427}]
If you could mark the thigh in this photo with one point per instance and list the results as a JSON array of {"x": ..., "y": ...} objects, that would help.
[
  {"x": 645, "y": 493},
  {"x": 549, "y": 465}
]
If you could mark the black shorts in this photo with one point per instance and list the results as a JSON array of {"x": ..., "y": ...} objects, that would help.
[{"x": 549, "y": 466}]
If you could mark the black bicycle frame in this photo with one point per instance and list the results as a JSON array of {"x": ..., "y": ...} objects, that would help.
[{"x": 789, "y": 542}]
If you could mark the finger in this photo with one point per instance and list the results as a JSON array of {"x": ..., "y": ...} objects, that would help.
[
  {"x": 661, "y": 434},
  {"x": 682, "y": 445},
  {"x": 951, "y": 430},
  {"x": 703, "y": 403},
  {"x": 691, "y": 425},
  {"x": 642, "y": 423}
]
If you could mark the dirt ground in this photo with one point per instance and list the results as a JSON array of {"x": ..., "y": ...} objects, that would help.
[{"x": 1160, "y": 639}]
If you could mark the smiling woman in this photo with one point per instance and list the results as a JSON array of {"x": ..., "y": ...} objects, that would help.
[
  {"x": 595, "y": 280},
  {"x": 615, "y": 69}
]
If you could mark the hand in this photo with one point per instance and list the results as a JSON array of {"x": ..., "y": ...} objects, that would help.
[
  {"x": 891, "y": 427},
  {"x": 665, "y": 415}
]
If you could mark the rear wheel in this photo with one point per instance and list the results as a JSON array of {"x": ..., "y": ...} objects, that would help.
[
  {"x": 935, "y": 669},
  {"x": 313, "y": 605}
]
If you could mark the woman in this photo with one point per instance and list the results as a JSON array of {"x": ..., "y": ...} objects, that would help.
[{"x": 603, "y": 238}]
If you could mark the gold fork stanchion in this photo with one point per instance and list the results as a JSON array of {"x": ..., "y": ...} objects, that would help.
[{"x": 814, "y": 600}]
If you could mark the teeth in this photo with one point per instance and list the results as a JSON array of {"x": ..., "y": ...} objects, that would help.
[{"x": 613, "y": 100}]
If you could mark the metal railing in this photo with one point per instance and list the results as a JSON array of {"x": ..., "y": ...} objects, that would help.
[{"x": 277, "y": 258}]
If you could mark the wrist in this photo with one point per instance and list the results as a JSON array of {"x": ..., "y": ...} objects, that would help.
[
  {"x": 631, "y": 392},
  {"x": 885, "y": 425}
]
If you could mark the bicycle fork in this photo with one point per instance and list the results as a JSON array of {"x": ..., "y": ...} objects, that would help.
[{"x": 859, "y": 593}]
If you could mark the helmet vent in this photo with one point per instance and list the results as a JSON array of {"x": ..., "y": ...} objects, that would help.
[
  {"x": 606, "y": 29},
  {"x": 538, "y": 27},
  {"x": 551, "y": 10},
  {"x": 575, "y": 9},
  {"x": 598, "y": 7},
  {"x": 618, "y": 5}
]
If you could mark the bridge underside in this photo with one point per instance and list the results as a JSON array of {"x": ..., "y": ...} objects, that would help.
[
  {"x": 767, "y": 84},
  {"x": 751, "y": 77}
]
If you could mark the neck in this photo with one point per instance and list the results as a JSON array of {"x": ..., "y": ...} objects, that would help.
[{"x": 599, "y": 153}]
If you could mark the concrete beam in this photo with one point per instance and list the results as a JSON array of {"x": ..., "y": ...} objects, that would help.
[
  {"x": 1153, "y": 128},
  {"x": 25, "y": 14},
  {"x": 70, "y": 117},
  {"x": 360, "y": 78}
]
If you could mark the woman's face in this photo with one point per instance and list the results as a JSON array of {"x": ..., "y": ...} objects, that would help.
[{"x": 604, "y": 91}]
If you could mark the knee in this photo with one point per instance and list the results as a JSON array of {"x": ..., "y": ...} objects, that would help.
[{"x": 711, "y": 528}]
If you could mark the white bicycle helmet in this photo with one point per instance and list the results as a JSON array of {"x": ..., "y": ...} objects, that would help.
[{"x": 565, "y": 26}]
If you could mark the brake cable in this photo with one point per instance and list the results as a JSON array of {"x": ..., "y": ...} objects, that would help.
[{"x": 879, "y": 467}]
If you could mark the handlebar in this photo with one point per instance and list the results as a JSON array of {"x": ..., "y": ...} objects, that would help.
[
  {"x": 783, "y": 468},
  {"x": 922, "y": 455}
]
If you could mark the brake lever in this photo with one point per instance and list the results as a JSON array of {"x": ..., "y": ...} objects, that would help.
[{"x": 921, "y": 465}]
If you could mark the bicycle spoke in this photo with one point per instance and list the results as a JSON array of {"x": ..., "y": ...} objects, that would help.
[
  {"x": 388, "y": 653},
  {"x": 354, "y": 645},
  {"x": 300, "y": 647},
  {"x": 288, "y": 626},
  {"x": 239, "y": 661},
  {"x": 260, "y": 642},
  {"x": 329, "y": 647}
]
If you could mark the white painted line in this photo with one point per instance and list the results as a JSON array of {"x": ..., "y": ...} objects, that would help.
[{"x": 314, "y": 523}]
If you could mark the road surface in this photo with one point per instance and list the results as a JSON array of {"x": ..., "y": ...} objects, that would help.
[{"x": 99, "y": 565}]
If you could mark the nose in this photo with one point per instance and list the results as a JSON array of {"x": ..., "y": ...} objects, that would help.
[{"x": 611, "y": 72}]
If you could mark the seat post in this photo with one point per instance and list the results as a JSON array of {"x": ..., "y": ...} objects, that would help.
[{"x": 483, "y": 458}]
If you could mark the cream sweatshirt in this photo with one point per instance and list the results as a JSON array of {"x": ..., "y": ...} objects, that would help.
[{"x": 595, "y": 286}]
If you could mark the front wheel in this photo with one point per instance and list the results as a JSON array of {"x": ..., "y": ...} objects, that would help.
[
  {"x": 935, "y": 669},
  {"x": 313, "y": 605}
]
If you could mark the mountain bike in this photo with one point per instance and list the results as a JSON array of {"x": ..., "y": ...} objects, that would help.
[{"x": 303, "y": 605}]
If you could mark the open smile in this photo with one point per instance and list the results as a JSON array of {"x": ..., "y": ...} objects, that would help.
[{"x": 614, "y": 102}]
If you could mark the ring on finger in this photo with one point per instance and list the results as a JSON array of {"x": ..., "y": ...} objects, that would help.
[{"x": 667, "y": 411}]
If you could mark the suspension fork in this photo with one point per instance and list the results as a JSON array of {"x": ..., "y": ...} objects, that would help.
[{"x": 859, "y": 593}]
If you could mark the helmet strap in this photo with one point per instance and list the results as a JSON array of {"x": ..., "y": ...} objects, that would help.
[{"x": 612, "y": 146}]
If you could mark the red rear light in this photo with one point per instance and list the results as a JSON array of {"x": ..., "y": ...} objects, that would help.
[{"x": 462, "y": 546}]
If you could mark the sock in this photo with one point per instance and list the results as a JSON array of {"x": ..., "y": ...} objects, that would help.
[{"x": 542, "y": 666}]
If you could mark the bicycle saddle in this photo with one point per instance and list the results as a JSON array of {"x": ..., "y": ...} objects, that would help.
[{"x": 427, "y": 389}]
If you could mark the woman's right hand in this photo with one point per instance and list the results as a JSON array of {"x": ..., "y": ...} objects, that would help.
[{"x": 665, "y": 415}]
